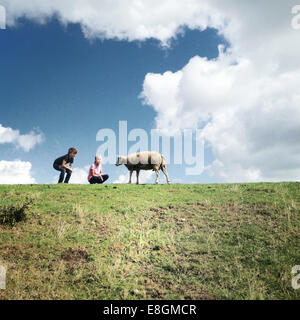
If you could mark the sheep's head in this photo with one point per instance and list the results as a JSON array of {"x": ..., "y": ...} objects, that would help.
[{"x": 119, "y": 161}]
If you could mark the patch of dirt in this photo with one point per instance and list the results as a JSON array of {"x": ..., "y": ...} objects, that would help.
[
  {"x": 202, "y": 206},
  {"x": 14, "y": 252},
  {"x": 156, "y": 248},
  {"x": 193, "y": 292},
  {"x": 266, "y": 190},
  {"x": 153, "y": 289},
  {"x": 116, "y": 247},
  {"x": 261, "y": 208},
  {"x": 155, "y": 209},
  {"x": 74, "y": 256},
  {"x": 159, "y": 210},
  {"x": 11, "y": 214},
  {"x": 258, "y": 208},
  {"x": 103, "y": 231}
]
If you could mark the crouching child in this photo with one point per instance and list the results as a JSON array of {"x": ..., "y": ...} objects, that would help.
[{"x": 60, "y": 164}]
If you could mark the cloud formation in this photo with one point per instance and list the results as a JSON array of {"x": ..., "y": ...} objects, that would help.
[
  {"x": 24, "y": 141},
  {"x": 79, "y": 175},
  {"x": 15, "y": 172},
  {"x": 122, "y": 19},
  {"x": 246, "y": 100},
  {"x": 145, "y": 176}
]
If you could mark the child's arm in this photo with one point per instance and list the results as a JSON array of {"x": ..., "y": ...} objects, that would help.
[
  {"x": 97, "y": 175},
  {"x": 64, "y": 165},
  {"x": 94, "y": 174}
]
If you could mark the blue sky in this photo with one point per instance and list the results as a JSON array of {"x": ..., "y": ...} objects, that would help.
[
  {"x": 70, "y": 68},
  {"x": 54, "y": 79}
]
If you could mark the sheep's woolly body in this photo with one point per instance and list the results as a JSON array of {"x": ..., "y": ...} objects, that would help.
[{"x": 145, "y": 160}]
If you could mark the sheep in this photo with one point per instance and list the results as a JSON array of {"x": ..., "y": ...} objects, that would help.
[{"x": 144, "y": 160}]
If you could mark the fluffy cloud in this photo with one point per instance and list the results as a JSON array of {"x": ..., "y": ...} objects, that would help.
[
  {"x": 247, "y": 100},
  {"x": 252, "y": 120},
  {"x": 122, "y": 19},
  {"x": 79, "y": 175},
  {"x": 24, "y": 141},
  {"x": 162, "y": 20},
  {"x": 15, "y": 172},
  {"x": 145, "y": 176}
]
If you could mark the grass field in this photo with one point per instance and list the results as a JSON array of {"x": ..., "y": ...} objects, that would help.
[{"x": 221, "y": 241}]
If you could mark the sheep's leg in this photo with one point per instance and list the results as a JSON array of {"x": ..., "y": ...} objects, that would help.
[
  {"x": 164, "y": 170},
  {"x": 130, "y": 174},
  {"x": 157, "y": 176},
  {"x": 137, "y": 176}
]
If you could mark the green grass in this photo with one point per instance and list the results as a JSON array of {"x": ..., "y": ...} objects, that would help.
[{"x": 222, "y": 241}]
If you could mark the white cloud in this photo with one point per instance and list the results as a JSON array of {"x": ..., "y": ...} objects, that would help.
[
  {"x": 145, "y": 176},
  {"x": 121, "y": 19},
  {"x": 252, "y": 120},
  {"x": 162, "y": 20},
  {"x": 247, "y": 99},
  {"x": 15, "y": 172},
  {"x": 123, "y": 178},
  {"x": 24, "y": 141},
  {"x": 79, "y": 175}
]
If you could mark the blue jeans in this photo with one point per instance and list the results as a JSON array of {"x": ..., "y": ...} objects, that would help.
[
  {"x": 95, "y": 179},
  {"x": 63, "y": 171}
]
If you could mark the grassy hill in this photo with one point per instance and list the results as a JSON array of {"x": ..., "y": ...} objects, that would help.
[{"x": 224, "y": 241}]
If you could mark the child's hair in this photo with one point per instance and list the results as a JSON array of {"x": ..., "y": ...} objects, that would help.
[
  {"x": 72, "y": 150},
  {"x": 98, "y": 156}
]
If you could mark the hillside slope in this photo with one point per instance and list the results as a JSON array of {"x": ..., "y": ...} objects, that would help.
[{"x": 221, "y": 241}]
